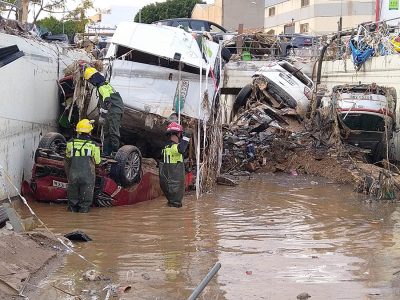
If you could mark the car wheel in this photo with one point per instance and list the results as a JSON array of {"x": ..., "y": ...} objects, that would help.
[
  {"x": 128, "y": 168},
  {"x": 379, "y": 152},
  {"x": 242, "y": 97},
  {"x": 52, "y": 141}
]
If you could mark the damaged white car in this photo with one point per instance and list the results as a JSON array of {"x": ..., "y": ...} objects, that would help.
[
  {"x": 282, "y": 84},
  {"x": 366, "y": 115}
]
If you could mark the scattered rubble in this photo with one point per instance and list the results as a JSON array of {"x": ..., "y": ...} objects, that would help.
[
  {"x": 366, "y": 41},
  {"x": 270, "y": 137},
  {"x": 93, "y": 275}
]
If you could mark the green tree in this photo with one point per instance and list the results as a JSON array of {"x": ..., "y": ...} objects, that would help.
[
  {"x": 166, "y": 10},
  {"x": 55, "y": 26},
  {"x": 74, "y": 22}
]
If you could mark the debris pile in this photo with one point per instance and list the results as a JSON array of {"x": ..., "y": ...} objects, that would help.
[
  {"x": 369, "y": 40},
  {"x": 258, "y": 128},
  {"x": 13, "y": 27},
  {"x": 265, "y": 138}
]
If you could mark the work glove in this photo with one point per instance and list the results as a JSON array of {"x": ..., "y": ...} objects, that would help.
[{"x": 106, "y": 105}]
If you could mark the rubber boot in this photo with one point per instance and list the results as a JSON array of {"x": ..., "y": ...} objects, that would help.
[{"x": 73, "y": 209}]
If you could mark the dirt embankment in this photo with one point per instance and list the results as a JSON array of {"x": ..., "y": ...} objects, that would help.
[{"x": 25, "y": 259}]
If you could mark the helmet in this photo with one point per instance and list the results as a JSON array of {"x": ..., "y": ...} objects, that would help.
[
  {"x": 89, "y": 71},
  {"x": 174, "y": 127},
  {"x": 84, "y": 126}
]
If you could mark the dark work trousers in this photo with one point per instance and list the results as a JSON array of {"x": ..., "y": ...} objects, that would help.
[
  {"x": 111, "y": 131},
  {"x": 81, "y": 181},
  {"x": 172, "y": 182}
]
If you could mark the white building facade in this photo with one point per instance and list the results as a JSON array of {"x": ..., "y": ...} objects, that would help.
[{"x": 316, "y": 16}]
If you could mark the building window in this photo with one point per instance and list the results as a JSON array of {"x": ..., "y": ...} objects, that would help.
[
  {"x": 271, "y": 11},
  {"x": 305, "y": 3},
  {"x": 304, "y": 28}
]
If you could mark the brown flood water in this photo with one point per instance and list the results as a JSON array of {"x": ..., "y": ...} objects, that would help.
[{"x": 275, "y": 236}]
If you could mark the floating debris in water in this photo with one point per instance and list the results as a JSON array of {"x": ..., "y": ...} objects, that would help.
[
  {"x": 303, "y": 296},
  {"x": 78, "y": 236}
]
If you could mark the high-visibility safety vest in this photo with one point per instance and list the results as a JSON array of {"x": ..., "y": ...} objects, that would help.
[
  {"x": 110, "y": 98},
  {"x": 83, "y": 148},
  {"x": 105, "y": 91},
  {"x": 171, "y": 154}
]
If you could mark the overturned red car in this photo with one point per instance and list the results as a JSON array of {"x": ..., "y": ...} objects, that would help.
[{"x": 123, "y": 180}]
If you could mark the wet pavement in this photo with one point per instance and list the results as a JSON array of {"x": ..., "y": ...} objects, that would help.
[{"x": 275, "y": 236}]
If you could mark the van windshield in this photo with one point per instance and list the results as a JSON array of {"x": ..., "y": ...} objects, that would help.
[
  {"x": 297, "y": 73},
  {"x": 198, "y": 26}
]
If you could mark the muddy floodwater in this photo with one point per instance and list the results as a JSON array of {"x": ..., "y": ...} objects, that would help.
[{"x": 275, "y": 236}]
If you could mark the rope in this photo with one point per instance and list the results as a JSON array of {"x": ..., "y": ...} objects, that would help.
[{"x": 4, "y": 174}]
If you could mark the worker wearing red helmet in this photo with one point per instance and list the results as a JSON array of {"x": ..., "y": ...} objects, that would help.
[{"x": 172, "y": 169}]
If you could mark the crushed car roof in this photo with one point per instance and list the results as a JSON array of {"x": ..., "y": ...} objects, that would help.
[{"x": 159, "y": 40}]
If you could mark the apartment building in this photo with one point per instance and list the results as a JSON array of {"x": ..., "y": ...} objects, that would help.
[
  {"x": 231, "y": 13},
  {"x": 316, "y": 16}
]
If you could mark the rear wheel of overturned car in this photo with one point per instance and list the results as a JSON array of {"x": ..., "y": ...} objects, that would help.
[
  {"x": 128, "y": 168},
  {"x": 51, "y": 141},
  {"x": 242, "y": 97},
  {"x": 379, "y": 153}
]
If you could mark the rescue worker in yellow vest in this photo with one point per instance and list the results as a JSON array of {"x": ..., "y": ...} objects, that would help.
[
  {"x": 111, "y": 109},
  {"x": 82, "y": 154},
  {"x": 172, "y": 168}
]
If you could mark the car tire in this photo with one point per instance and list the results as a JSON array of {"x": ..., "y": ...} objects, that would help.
[
  {"x": 378, "y": 153},
  {"x": 52, "y": 140},
  {"x": 128, "y": 168},
  {"x": 242, "y": 97}
]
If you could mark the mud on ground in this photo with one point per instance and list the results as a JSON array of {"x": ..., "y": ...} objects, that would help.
[{"x": 25, "y": 259}]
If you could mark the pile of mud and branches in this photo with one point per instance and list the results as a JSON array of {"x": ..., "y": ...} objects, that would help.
[{"x": 269, "y": 136}]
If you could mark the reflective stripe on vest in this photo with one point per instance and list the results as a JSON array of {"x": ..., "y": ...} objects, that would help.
[
  {"x": 83, "y": 148},
  {"x": 171, "y": 154}
]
